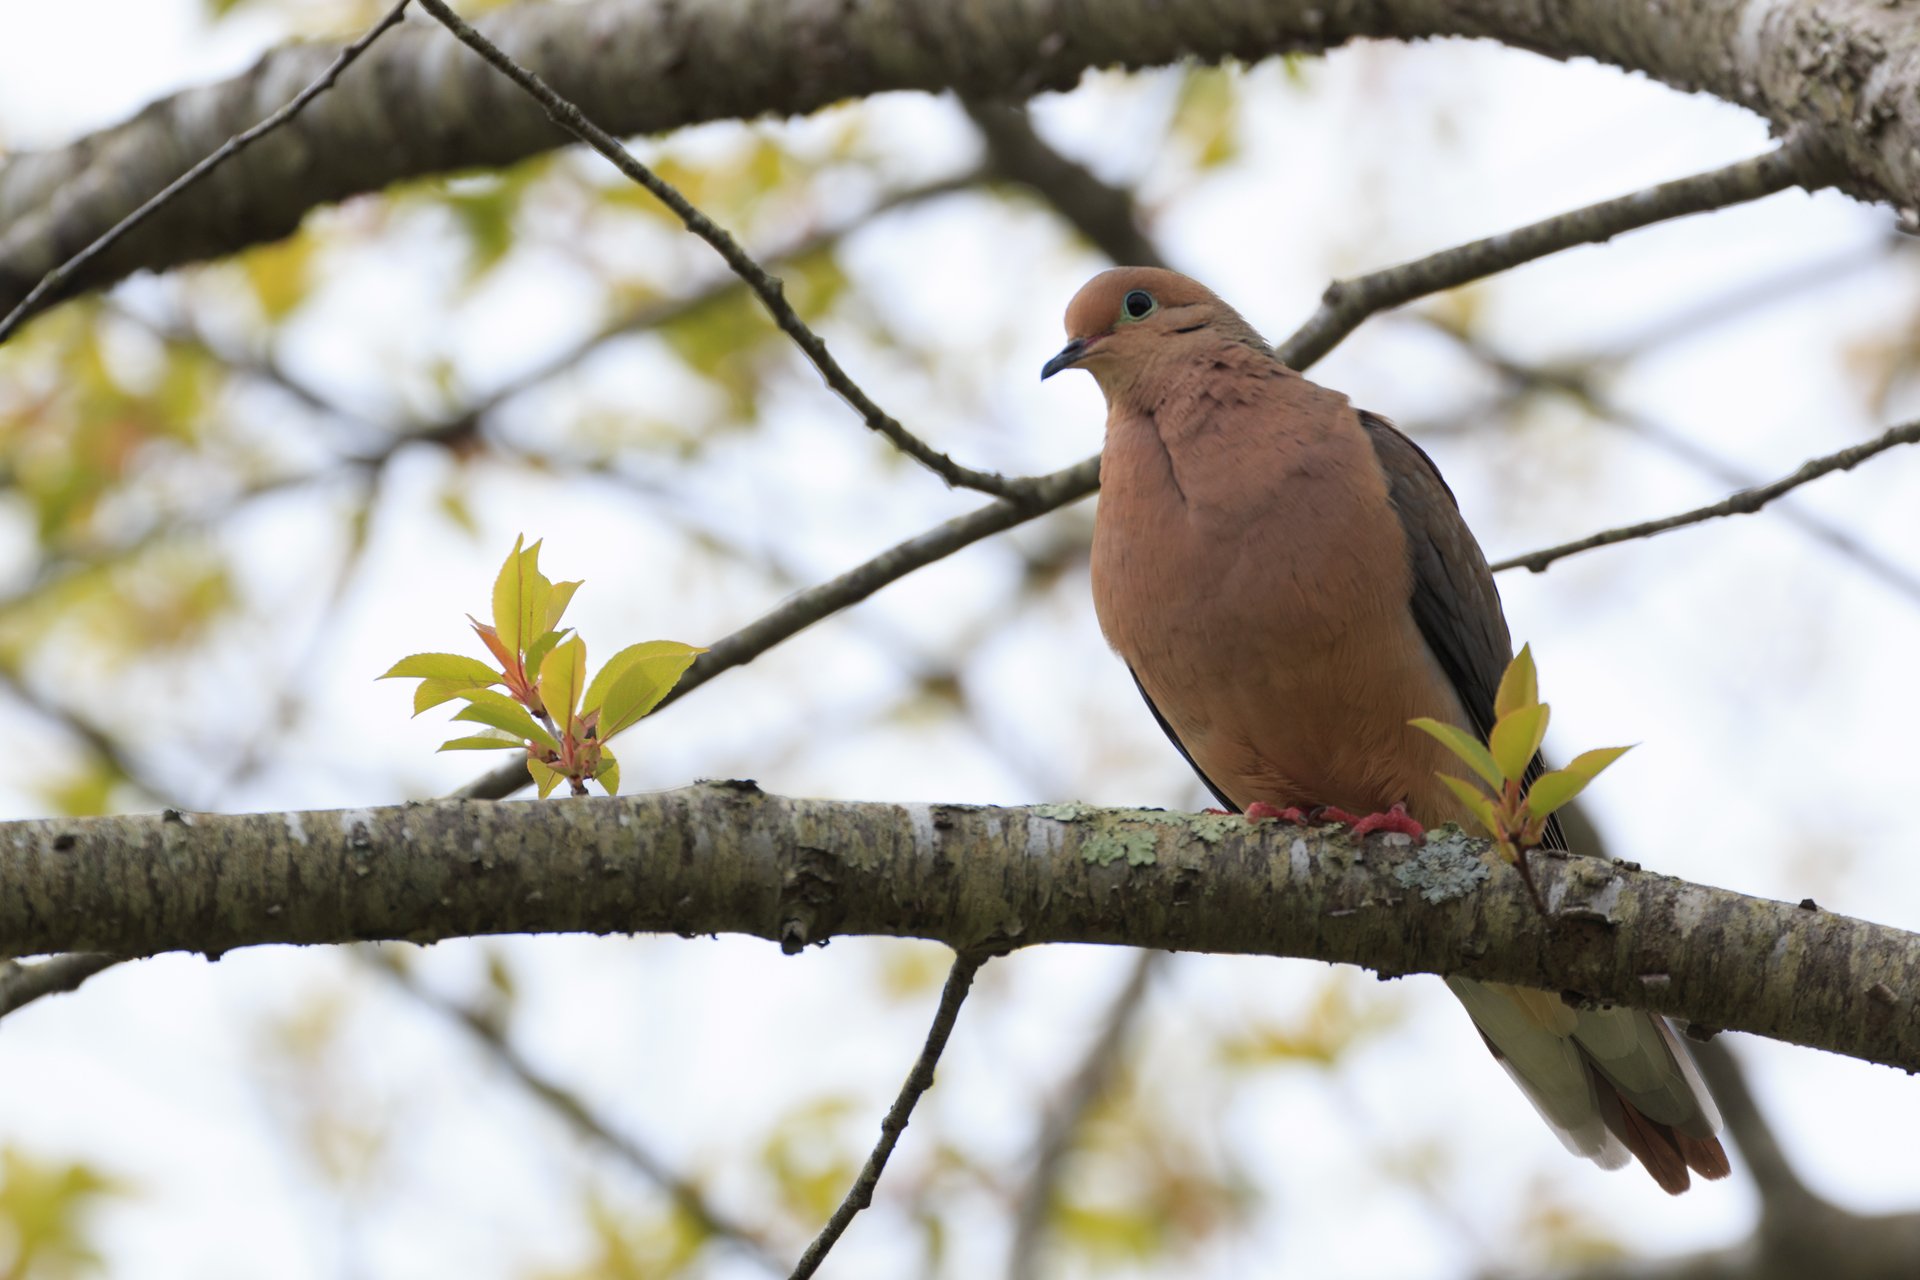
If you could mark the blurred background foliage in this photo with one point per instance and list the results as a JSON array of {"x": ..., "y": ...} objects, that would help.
[{"x": 232, "y": 494}]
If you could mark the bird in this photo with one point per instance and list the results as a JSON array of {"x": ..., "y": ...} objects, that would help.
[{"x": 1290, "y": 581}]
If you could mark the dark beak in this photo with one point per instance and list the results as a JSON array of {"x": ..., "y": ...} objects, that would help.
[{"x": 1069, "y": 356}]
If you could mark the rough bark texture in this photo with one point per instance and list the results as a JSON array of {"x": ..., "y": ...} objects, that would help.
[
  {"x": 1846, "y": 72},
  {"x": 726, "y": 857}
]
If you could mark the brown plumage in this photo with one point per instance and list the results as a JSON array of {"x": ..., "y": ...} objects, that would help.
[{"x": 1290, "y": 582}]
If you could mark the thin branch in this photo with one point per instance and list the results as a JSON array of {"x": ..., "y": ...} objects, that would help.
[
  {"x": 1062, "y": 1123},
  {"x": 918, "y": 1081},
  {"x": 1575, "y": 381},
  {"x": 1347, "y": 303},
  {"x": 24, "y": 983},
  {"x": 823, "y": 601},
  {"x": 1745, "y": 502},
  {"x": 568, "y": 1105},
  {"x": 54, "y": 279},
  {"x": 765, "y": 286}
]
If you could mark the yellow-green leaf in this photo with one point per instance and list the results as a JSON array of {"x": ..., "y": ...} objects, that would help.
[
  {"x": 520, "y": 598},
  {"x": 1475, "y": 799},
  {"x": 1516, "y": 737},
  {"x": 557, "y": 601},
  {"x": 501, "y": 712},
  {"x": 1519, "y": 687},
  {"x": 562, "y": 672},
  {"x": 641, "y": 682},
  {"x": 432, "y": 693},
  {"x": 608, "y": 774},
  {"x": 1551, "y": 791},
  {"x": 484, "y": 742},
  {"x": 441, "y": 666},
  {"x": 1472, "y": 752},
  {"x": 537, "y": 651},
  {"x": 544, "y": 778},
  {"x": 622, "y": 662}
]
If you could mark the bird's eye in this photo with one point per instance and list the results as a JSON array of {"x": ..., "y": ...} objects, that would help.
[{"x": 1138, "y": 304}]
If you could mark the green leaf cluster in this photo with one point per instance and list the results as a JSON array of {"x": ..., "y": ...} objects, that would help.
[
  {"x": 545, "y": 704},
  {"x": 1512, "y": 812}
]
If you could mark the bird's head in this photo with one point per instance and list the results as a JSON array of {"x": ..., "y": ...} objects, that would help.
[{"x": 1127, "y": 318}]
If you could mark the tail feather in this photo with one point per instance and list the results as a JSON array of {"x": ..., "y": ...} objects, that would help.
[{"x": 1610, "y": 1083}]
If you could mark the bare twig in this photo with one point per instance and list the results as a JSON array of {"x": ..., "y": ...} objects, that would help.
[
  {"x": 490, "y": 1039},
  {"x": 1745, "y": 502},
  {"x": 1576, "y": 382},
  {"x": 54, "y": 279},
  {"x": 919, "y": 1080},
  {"x": 22, "y": 983},
  {"x": 811, "y": 606},
  {"x": 1062, "y": 1123},
  {"x": 1347, "y": 303},
  {"x": 765, "y": 286}
]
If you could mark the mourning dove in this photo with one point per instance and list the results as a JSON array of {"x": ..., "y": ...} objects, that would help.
[{"x": 1290, "y": 582}]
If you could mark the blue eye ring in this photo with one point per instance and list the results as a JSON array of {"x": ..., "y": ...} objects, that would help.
[{"x": 1137, "y": 305}]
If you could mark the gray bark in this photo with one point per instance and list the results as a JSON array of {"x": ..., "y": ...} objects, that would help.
[
  {"x": 1844, "y": 73},
  {"x": 726, "y": 857}
]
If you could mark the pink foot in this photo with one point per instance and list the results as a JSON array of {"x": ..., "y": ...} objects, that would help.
[
  {"x": 1394, "y": 819},
  {"x": 1261, "y": 809}
]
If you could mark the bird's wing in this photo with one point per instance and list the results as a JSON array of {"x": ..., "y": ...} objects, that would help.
[
  {"x": 1608, "y": 1081},
  {"x": 1180, "y": 746},
  {"x": 1455, "y": 603}
]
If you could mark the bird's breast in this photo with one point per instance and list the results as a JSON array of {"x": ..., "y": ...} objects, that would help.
[{"x": 1259, "y": 590}]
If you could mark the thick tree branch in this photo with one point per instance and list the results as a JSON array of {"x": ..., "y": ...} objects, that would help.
[
  {"x": 1842, "y": 73},
  {"x": 728, "y": 858}
]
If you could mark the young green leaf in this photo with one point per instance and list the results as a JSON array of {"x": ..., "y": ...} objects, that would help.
[
  {"x": 1475, "y": 799},
  {"x": 484, "y": 742},
  {"x": 1516, "y": 737},
  {"x": 620, "y": 663},
  {"x": 608, "y": 774},
  {"x": 520, "y": 598},
  {"x": 442, "y": 666},
  {"x": 432, "y": 693},
  {"x": 501, "y": 712},
  {"x": 537, "y": 651},
  {"x": 543, "y": 778},
  {"x": 1550, "y": 791},
  {"x": 1470, "y": 749},
  {"x": 557, "y": 602},
  {"x": 645, "y": 680},
  {"x": 1519, "y": 686},
  {"x": 562, "y": 672}
]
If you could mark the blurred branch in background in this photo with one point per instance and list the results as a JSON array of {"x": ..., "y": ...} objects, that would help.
[
  {"x": 1060, "y": 1124},
  {"x": 1799, "y": 1234},
  {"x": 491, "y": 1038},
  {"x": 52, "y": 284}
]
